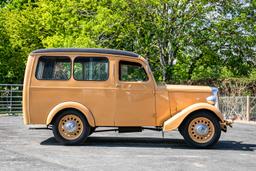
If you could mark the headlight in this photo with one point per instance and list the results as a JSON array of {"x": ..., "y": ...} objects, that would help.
[
  {"x": 213, "y": 99},
  {"x": 215, "y": 91}
]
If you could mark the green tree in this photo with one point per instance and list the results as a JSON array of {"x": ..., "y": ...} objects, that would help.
[{"x": 182, "y": 39}]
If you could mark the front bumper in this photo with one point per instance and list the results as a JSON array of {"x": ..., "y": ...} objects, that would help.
[{"x": 225, "y": 124}]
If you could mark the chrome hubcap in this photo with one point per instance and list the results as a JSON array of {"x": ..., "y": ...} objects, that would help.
[
  {"x": 70, "y": 126},
  {"x": 201, "y": 129}
]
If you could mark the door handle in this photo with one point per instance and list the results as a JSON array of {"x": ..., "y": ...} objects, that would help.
[{"x": 118, "y": 85}]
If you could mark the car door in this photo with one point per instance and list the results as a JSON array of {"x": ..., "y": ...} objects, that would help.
[{"x": 135, "y": 100}]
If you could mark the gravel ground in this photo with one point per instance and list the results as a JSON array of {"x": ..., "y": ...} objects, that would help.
[{"x": 27, "y": 149}]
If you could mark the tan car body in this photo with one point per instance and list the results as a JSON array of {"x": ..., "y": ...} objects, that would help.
[{"x": 112, "y": 102}]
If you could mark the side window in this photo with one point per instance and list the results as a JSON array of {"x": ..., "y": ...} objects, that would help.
[
  {"x": 131, "y": 71},
  {"x": 53, "y": 68},
  {"x": 91, "y": 68}
]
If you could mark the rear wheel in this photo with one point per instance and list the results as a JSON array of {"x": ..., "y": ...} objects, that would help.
[
  {"x": 201, "y": 130},
  {"x": 71, "y": 127}
]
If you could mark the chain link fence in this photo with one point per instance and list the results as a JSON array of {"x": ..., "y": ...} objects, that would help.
[{"x": 236, "y": 108}]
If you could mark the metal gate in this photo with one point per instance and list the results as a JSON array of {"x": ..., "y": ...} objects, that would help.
[{"x": 11, "y": 99}]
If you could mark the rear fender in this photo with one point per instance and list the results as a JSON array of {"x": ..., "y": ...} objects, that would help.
[
  {"x": 175, "y": 121},
  {"x": 78, "y": 106}
]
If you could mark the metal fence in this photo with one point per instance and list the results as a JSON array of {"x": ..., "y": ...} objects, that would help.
[
  {"x": 237, "y": 108},
  {"x": 10, "y": 98}
]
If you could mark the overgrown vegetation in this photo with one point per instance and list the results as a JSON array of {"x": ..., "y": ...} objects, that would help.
[
  {"x": 228, "y": 86},
  {"x": 182, "y": 39}
]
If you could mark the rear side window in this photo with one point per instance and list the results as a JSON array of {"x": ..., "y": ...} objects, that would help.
[
  {"x": 53, "y": 68},
  {"x": 91, "y": 68},
  {"x": 131, "y": 71}
]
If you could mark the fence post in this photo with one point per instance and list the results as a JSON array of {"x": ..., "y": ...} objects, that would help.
[
  {"x": 248, "y": 108},
  {"x": 10, "y": 101}
]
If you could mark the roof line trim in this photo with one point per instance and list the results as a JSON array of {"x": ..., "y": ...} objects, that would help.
[{"x": 88, "y": 50}]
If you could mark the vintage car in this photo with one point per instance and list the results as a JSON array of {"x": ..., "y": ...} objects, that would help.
[{"x": 75, "y": 90}]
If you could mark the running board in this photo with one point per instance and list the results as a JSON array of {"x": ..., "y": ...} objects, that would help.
[
  {"x": 43, "y": 127},
  {"x": 129, "y": 129}
]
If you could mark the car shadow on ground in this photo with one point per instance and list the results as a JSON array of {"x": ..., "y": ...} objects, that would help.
[{"x": 142, "y": 142}]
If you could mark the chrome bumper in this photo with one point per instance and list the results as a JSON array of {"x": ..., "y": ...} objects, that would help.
[{"x": 225, "y": 124}]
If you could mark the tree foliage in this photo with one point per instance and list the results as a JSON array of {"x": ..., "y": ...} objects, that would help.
[{"x": 182, "y": 39}]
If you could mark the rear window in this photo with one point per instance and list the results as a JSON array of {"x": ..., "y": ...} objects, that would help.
[
  {"x": 91, "y": 68},
  {"x": 53, "y": 68}
]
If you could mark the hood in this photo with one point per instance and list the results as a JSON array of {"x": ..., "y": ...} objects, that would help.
[
  {"x": 182, "y": 96},
  {"x": 188, "y": 88}
]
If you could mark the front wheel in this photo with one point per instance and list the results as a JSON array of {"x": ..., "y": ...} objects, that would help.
[
  {"x": 201, "y": 130},
  {"x": 71, "y": 127}
]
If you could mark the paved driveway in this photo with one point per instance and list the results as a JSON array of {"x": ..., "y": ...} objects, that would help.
[{"x": 36, "y": 149}]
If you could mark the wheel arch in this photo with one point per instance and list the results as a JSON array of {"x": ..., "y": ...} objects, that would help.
[
  {"x": 198, "y": 111},
  {"x": 175, "y": 121},
  {"x": 55, "y": 111}
]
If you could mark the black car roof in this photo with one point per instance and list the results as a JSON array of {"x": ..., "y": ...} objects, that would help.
[{"x": 88, "y": 50}]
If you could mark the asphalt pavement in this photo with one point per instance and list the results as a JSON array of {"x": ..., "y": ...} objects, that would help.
[{"x": 27, "y": 149}]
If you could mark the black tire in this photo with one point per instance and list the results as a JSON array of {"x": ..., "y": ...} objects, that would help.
[
  {"x": 185, "y": 128},
  {"x": 84, "y": 131}
]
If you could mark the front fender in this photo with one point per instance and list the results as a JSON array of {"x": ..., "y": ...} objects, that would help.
[
  {"x": 74, "y": 105},
  {"x": 175, "y": 121}
]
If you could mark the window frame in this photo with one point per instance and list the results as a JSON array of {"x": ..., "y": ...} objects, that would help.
[
  {"x": 37, "y": 65},
  {"x": 103, "y": 57},
  {"x": 135, "y": 62}
]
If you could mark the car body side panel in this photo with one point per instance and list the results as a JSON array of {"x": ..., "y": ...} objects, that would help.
[
  {"x": 163, "y": 110},
  {"x": 97, "y": 96},
  {"x": 182, "y": 96},
  {"x": 26, "y": 86},
  {"x": 181, "y": 100}
]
